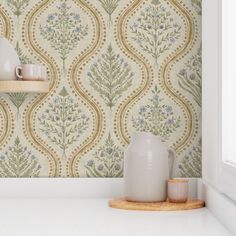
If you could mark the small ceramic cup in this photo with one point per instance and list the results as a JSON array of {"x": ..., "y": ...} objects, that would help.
[
  {"x": 177, "y": 190},
  {"x": 31, "y": 72},
  {"x": 43, "y": 73}
]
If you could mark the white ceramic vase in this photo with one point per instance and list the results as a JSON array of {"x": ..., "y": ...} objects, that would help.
[
  {"x": 148, "y": 166},
  {"x": 8, "y": 60}
]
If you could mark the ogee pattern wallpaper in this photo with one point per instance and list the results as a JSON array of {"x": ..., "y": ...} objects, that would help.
[{"x": 114, "y": 66}]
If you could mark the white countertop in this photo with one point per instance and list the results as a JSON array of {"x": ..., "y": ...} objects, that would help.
[{"x": 93, "y": 217}]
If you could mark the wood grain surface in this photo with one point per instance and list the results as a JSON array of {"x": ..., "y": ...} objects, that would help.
[
  {"x": 155, "y": 206},
  {"x": 24, "y": 86}
]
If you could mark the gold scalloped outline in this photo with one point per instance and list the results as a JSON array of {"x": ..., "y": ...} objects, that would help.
[
  {"x": 147, "y": 73},
  {"x": 6, "y": 23},
  {"x": 165, "y": 86},
  {"x": 165, "y": 82},
  {"x": 48, "y": 146},
  {"x": 9, "y": 123},
  {"x": 29, "y": 132},
  {"x": 74, "y": 80}
]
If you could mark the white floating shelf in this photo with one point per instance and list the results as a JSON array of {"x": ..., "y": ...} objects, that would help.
[{"x": 16, "y": 86}]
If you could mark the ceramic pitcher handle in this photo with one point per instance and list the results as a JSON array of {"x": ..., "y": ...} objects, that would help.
[
  {"x": 18, "y": 69},
  {"x": 171, "y": 161}
]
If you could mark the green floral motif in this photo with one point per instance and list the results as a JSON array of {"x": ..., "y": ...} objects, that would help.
[
  {"x": 155, "y": 30},
  {"x": 156, "y": 117},
  {"x": 23, "y": 58},
  {"x": 109, "y": 6},
  {"x": 19, "y": 162},
  {"x": 63, "y": 122},
  {"x": 18, "y": 6},
  {"x": 190, "y": 78},
  {"x": 191, "y": 165},
  {"x": 18, "y": 98},
  {"x": 110, "y": 76},
  {"x": 107, "y": 162},
  {"x": 64, "y": 30},
  {"x": 197, "y": 4}
]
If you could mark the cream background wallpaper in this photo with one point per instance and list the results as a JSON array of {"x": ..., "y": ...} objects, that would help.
[{"x": 115, "y": 66}]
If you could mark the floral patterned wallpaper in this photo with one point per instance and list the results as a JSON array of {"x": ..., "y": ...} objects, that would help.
[{"x": 115, "y": 66}]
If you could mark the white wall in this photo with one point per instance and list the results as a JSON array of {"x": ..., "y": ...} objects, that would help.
[{"x": 211, "y": 99}]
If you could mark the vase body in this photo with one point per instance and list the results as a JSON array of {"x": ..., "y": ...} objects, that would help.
[
  {"x": 8, "y": 60},
  {"x": 147, "y": 167}
]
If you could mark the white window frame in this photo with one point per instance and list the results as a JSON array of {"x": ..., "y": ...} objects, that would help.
[
  {"x": 216, "y": 172},
  {"x": 228, "y": 170},
  {"x": 227, "y": 178}
]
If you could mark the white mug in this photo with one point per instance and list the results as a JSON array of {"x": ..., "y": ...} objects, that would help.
[
  {"x": 43, "y": 73},
  {"x": 31, "y": 72}
]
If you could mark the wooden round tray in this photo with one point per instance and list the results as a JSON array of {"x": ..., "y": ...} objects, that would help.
[{"x": 155, "y": 206}]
